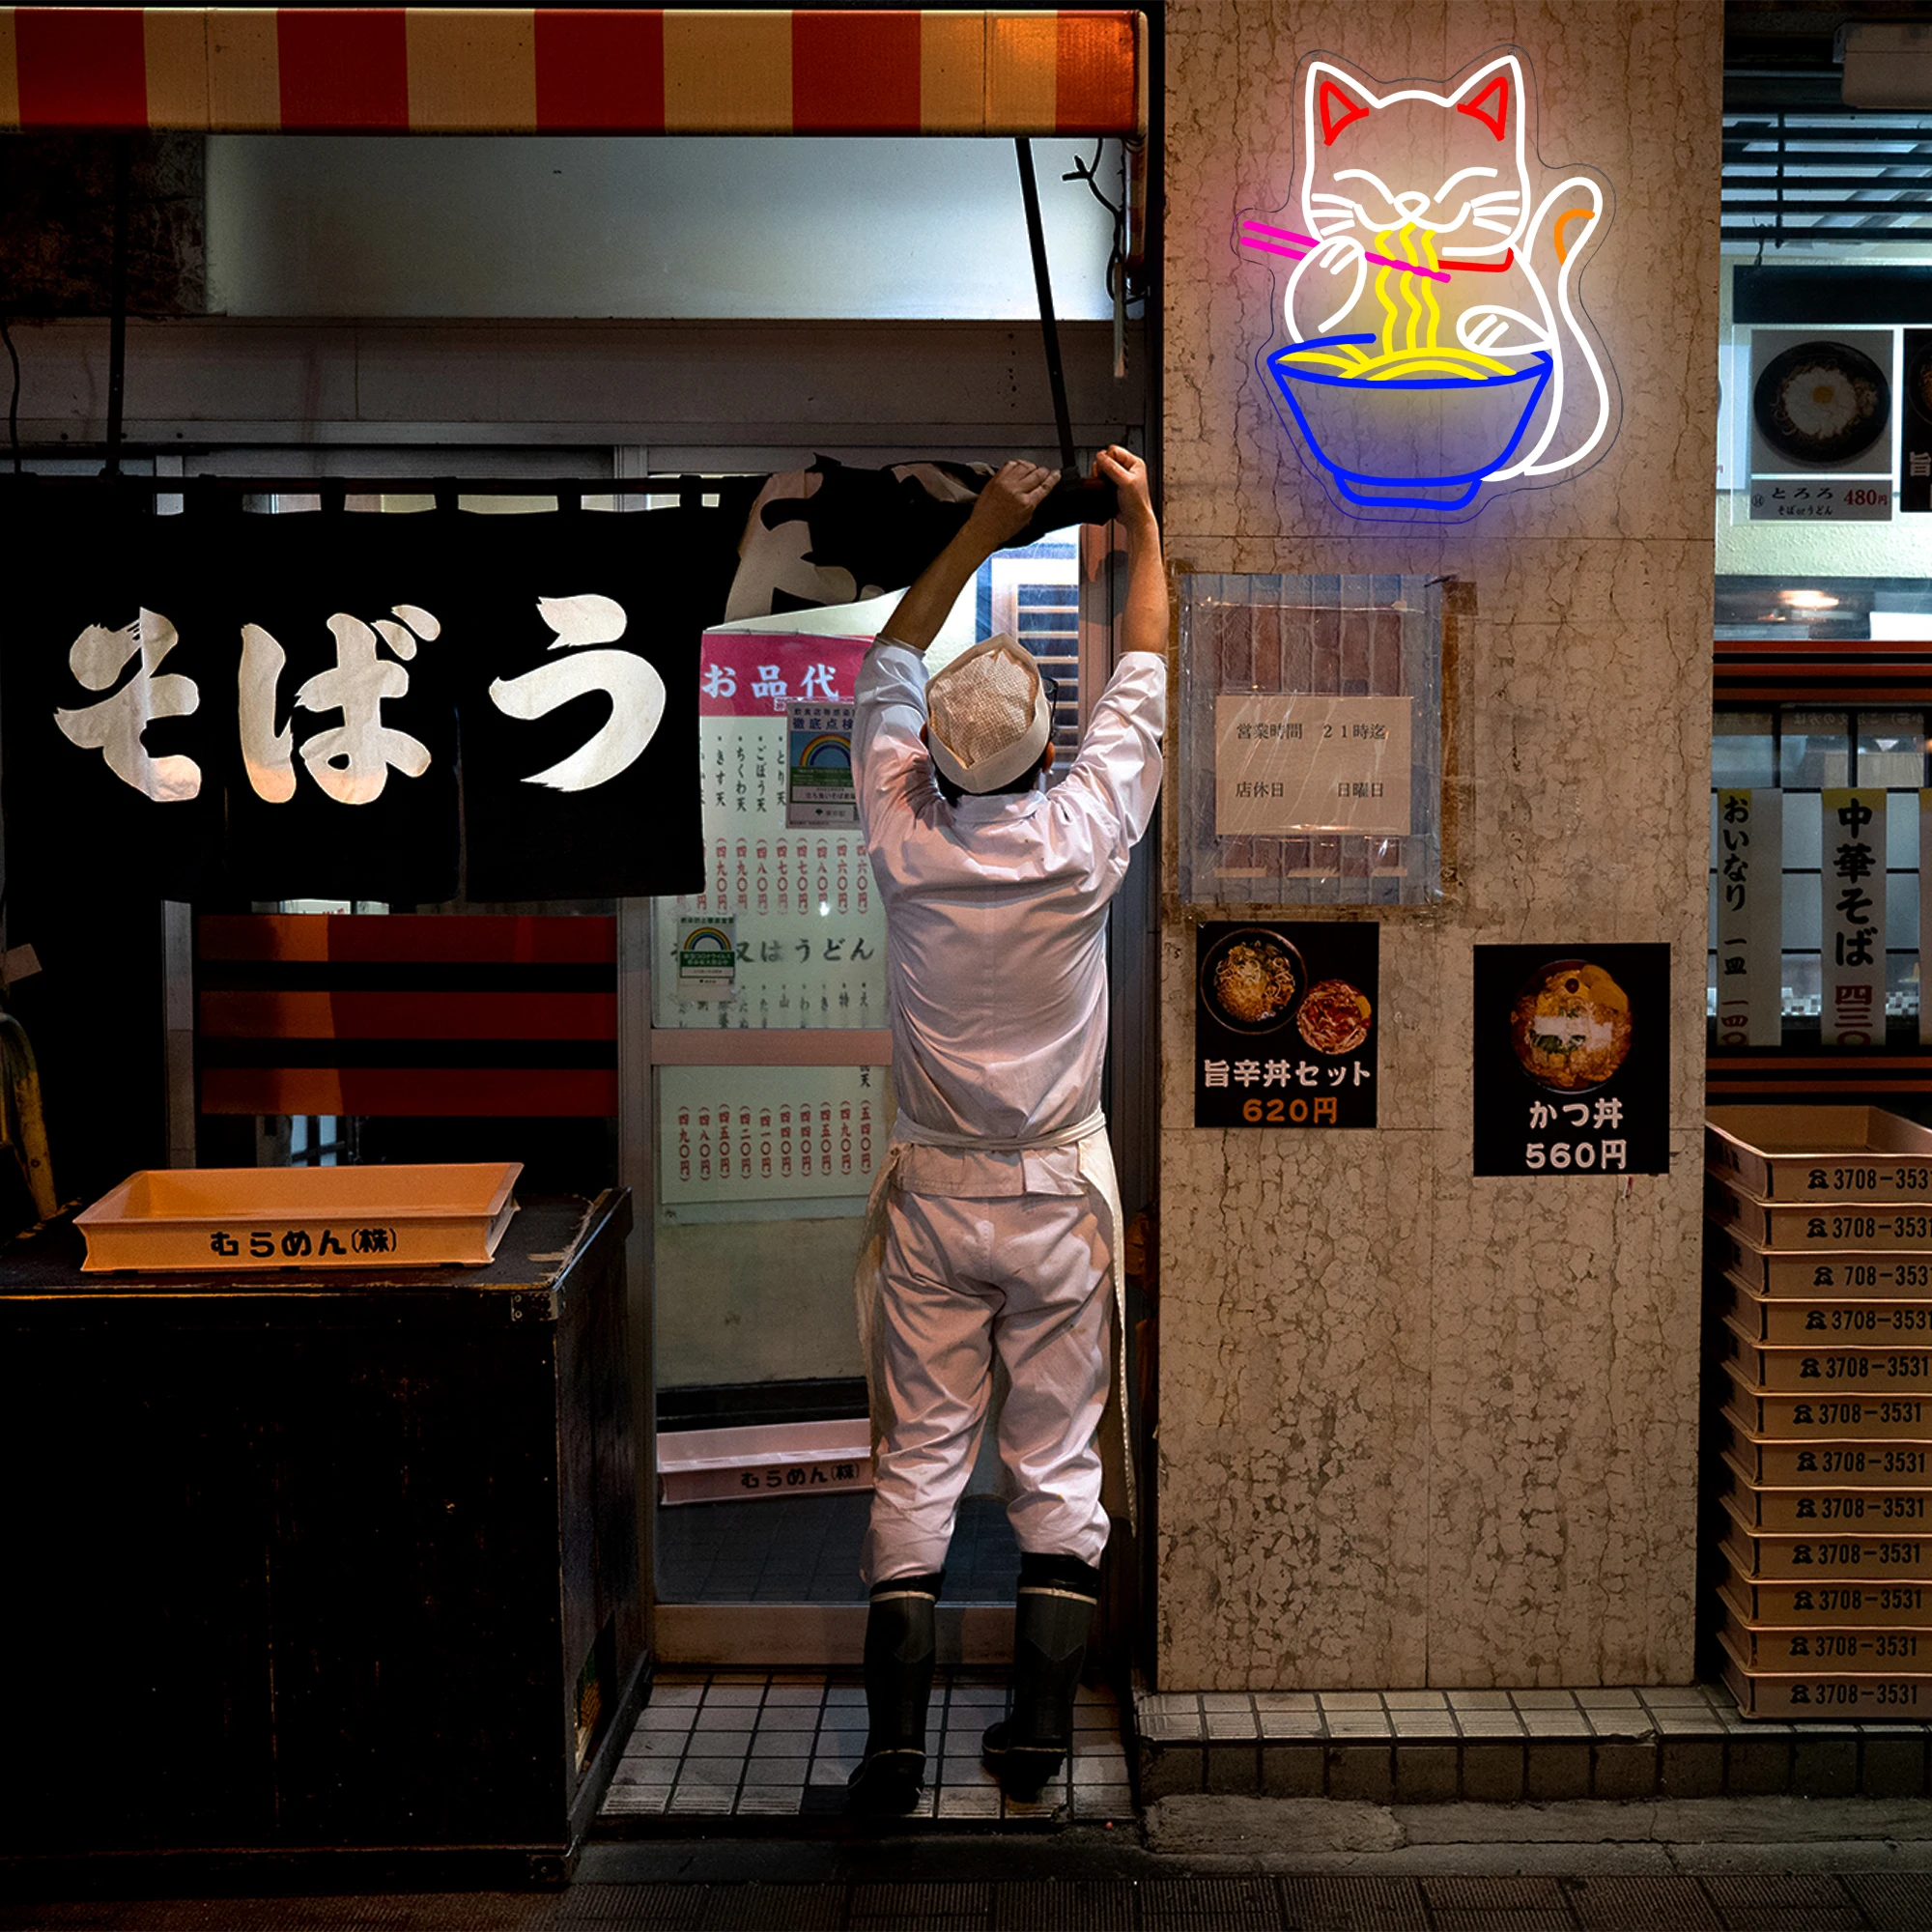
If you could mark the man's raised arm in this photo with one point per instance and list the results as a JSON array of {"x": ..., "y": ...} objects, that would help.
[{"x": 1144, "y": 622}]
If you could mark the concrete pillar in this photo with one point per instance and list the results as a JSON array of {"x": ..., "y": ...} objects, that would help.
[{"x": 1418, "y": 1428}]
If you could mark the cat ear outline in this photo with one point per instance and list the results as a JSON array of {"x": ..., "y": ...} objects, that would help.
[
  {"x": 1492, "y": 96},
  {"x": 1335, "y": 100}
]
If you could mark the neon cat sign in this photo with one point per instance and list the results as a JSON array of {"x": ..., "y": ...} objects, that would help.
[{"x": 1431, "y": 350}]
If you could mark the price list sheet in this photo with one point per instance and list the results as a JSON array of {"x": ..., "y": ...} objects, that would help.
[{"x": 788, "y": 931}]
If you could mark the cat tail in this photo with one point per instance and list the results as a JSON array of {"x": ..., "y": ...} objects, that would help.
[{"x": 1569, "y": 221}]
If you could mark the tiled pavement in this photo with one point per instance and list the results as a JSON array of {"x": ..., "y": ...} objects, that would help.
[
  {"x": 779, "y": 1745},
  {"x": 1502, "y": 1747},
  {"x": 1868, "y": 1902}
]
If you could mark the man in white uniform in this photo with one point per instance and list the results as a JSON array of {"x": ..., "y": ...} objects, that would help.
[{"x": 997, "y": 1194}]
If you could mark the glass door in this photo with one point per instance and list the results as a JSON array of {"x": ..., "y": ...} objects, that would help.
[{"x": 771, "y": 1103}]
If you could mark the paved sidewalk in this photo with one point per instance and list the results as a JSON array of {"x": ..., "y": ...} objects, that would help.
[{"x": 1090, "y": 1879}]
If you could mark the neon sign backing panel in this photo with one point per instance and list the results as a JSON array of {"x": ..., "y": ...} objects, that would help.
[{"x": 1431, "y": 350}]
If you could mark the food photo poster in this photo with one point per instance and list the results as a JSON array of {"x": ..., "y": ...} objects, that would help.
[
  {"x": 1286, "y": 1020},
  {"x": 1572, "y": 1060}
]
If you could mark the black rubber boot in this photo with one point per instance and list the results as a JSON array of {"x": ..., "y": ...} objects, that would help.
[
  {"x": 1057, "y": 1595},
  {"x": 900, "y": 1639}
]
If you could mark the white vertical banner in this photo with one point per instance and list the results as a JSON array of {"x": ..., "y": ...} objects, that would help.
[
  {"x": 1749, "y": 936},
  {"x": 1851, "y": 1009}
]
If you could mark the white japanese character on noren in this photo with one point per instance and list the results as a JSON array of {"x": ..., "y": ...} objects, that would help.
[
  {"x": 769, "y": 683},
  {"x": 115, "y": 726},
  {"x": 818, "y": 682},
  {"x": 350, "y": 761},
  {"x": 632, "y": 684}
]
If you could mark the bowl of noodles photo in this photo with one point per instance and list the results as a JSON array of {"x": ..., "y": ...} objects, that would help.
[
  {"x": 1570, "y": 1025},
  {"x": 1251, "y": 979}
]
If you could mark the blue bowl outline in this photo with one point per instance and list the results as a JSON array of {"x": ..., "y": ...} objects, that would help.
[{"x": 1537, "y": 374}]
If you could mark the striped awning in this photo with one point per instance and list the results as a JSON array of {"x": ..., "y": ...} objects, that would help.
[{"x": 427, "y": 70}]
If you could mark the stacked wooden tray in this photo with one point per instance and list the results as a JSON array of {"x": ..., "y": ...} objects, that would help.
[{"x": 1819, "y": 1269}]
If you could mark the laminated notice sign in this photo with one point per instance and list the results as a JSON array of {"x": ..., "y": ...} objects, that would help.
[
  {"x": 1296, "y": 762},
  {"x": 707, "y": 959},
  {"x": 819, "y": 759}
]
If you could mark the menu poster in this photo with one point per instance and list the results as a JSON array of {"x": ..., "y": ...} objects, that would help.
[
  {"x": 1915, "y": 426},
  {"x": 798, "y": 902},
  {"x": 1821, "y": 421},
  {"x": 1285, "y": 1023},
  {"x": 1572, "y": 1052}
]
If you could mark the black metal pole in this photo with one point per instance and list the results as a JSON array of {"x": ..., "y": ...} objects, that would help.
[
  {"x": 117, "y": 328},
  {"x": 1044, "y": 285}
]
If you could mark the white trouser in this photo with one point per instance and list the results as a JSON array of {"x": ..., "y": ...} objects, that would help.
[{"x": 1027, "y": 1275}]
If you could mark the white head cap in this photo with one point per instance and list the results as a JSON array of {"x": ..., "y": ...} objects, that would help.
[{"x": 987, "y": 714}]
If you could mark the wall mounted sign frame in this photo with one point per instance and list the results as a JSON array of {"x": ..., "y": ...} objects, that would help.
[
  {"x": 1311, "y": 736},
  {"x": 1431, "y": 350}
]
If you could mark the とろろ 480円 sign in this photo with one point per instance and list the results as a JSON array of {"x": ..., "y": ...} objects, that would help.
[
  {"x": 1572, "y": 1059},
  {"x": 1285, "y": 1023}
]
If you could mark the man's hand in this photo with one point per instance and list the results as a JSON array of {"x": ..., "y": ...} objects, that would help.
[
  {"x": 1006, "y": 506},
  {"x": 1128, "y": 475}
]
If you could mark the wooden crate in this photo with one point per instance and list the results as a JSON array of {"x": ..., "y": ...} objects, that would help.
[
  {"x": 1809, "y": 1322},
  {"x": 253, "y": 1219},
  {"x": 1877, "y": 1648},
  {"x": 766, "y": 1460},
  {"x": 1823, "y": 1553},
  {"x": 1827, "y": 1368},
  {"x": 1848, "y": 1461},
  {"x": 1826, "y": 1692},
  {"x": 1802, "y": 1602},
  {"x": 1823, "y": 1507},
  {"x": 1791, "y": 1228},
  {"x": 1825, "y": 1414},
  {"x": 1820, "y": 1154},
  {"x": 1905, "y": 1275}
]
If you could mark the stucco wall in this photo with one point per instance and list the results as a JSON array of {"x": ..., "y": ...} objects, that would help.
[{"x": 1417, "y": 1427}]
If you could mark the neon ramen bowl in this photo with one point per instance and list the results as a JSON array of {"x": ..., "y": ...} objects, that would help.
[{"x": 1409, "y": 442}]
